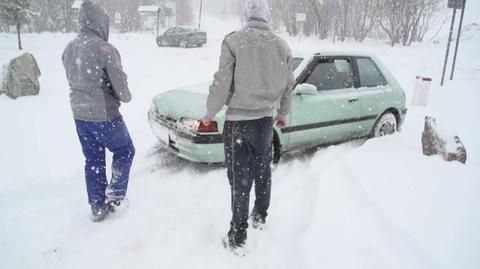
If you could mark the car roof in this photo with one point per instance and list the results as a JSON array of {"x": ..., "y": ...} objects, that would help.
[
  {"x": 333, "y": 53},
  {"x": 193, "y": 28}
]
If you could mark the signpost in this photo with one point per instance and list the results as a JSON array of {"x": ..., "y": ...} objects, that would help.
[
  {"x": 455, "y": 4},
  {"x": 458, "y": 38},
  {"x": 118, "y": 20},
  {"x": 301, "y": 19},
  {"x": 200, "y": 14}
]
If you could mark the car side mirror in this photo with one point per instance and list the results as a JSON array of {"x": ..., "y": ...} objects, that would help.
[{"x": 306, "y": 89}]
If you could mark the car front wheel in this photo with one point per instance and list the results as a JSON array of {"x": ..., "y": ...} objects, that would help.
[
  {"x": 386, "y": 125},
  {"x": 183, "y": 44},
  {"x": 162, "y": 43}
]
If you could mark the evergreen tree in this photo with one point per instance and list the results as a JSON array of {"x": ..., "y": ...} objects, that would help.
[{"x": 15, "y": 12}]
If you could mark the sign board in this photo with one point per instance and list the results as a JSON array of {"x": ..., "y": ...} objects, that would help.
[
  {"x": 301, "y": 17},
  {"x": 456, "y": 4},
  {"x": 118, "y": 17}
]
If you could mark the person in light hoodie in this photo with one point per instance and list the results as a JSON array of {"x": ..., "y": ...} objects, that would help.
[
  {"x": 98, "y": 86},
  {"x": 254, "y": 81}
]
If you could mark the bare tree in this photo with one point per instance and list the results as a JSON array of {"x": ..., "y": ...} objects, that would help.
[
  {"x": 344, "y": 12},
  {"x": 16, "y": 12},
  {"x": 432, "y": 6},
  {"x": 364, "y": 17},
  {"x": 392, "y": 19},
  {"x": 184, "y": 12}
]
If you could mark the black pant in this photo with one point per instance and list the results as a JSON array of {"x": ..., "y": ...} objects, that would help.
[{"x": 248, "y": 155}]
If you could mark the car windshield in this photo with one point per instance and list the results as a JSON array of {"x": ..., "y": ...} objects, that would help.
[{"x": 296, "y": 62}]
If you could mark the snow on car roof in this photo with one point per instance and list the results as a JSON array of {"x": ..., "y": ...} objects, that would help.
[
  {"x": 148, "y": 8},
  {"x": 309, "y": 54},
  {"x": 188, "y": 27}
]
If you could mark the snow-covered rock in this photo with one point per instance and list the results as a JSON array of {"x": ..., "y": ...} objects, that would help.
[
  {"x": 20, "y": 77},
  {"x": 437, "y": 141}
]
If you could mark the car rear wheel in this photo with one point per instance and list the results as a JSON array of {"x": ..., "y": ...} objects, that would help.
[{"x": 386, "y": 125}]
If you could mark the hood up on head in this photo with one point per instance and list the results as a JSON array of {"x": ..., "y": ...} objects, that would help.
[
  {"x": 93, "y": 18},
  {"x": 257, "y": 10}
]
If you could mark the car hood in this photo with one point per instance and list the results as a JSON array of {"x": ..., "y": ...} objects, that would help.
[{"x": 188, "y": 102}]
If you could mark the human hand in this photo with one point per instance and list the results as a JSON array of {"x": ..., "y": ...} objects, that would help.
[
  {"x": 281, "y": 122},
  {"x": 207, "y": 120}
]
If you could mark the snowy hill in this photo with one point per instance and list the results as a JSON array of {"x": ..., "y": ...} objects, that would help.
[
  {"x": 374, "y": 204},
  {"x": 470, "y": 35}
]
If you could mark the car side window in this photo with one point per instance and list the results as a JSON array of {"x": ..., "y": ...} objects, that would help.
[
  {"x": 332, "y": 74},
  {"x": 370, "y": 75}
]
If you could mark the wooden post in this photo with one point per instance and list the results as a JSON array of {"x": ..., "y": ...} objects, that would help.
[{"x": 19, "y": 26}]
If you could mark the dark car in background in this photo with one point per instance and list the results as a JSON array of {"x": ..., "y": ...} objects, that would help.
[{"x": 182, "y": 37}]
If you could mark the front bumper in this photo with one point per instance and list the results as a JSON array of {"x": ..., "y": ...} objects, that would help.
[{"x": 193, "y": 147}]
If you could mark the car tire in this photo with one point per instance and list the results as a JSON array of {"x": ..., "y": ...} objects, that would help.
[
  {"x": 183, "y": 44},
  {"x": 276, "y": 149},
  {"x": 160, "y": 43},
  {"x": 386, "y": 125}
]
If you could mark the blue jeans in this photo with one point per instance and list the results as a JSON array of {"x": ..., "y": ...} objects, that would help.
[{"x": 94, "y": 138}]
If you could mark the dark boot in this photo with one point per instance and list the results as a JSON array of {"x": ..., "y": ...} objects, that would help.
[
  {"x": 238, "y": 248},
  {"x": 258, "y": 221},
  {"x": 100, "y": 212}
]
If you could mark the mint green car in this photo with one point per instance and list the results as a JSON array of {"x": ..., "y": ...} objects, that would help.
[{"x": 338, "y": 97}]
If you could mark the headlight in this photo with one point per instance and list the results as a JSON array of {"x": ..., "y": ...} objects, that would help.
[
  {"x": 196, "y": 126},
  {"x": 189, "y": 125},
  {"x": 153, "y": 107}
]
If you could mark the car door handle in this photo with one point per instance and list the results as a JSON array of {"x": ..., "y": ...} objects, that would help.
[{"x": 353, "y": 100}]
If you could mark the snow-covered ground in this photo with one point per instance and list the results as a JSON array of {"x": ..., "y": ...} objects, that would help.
[{"x": 374, "y": 204}]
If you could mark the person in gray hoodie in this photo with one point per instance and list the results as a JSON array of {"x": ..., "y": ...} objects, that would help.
[
  {"x": 97, "y": 87},
  {"x": 254, "y": 81}
]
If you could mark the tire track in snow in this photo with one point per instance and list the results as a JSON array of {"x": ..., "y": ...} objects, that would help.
[
  {"x": 403, "y": 242},
  {"x": 294, "y": 203}
]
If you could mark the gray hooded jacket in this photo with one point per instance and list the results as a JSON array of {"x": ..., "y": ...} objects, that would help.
[
  {"x": 94, "y": 70},
  {"x": 255, "y": 75}
]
